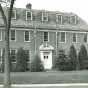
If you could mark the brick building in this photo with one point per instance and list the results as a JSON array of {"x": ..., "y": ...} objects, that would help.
[{"x": 43, "y": 32}]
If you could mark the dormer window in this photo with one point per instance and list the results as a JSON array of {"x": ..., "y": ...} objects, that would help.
[
  {"x": 59, "y": 18},
  {"x": 13, "y": 16},
  {"x": 44, "y": 16},
  {"x": 28, "y": 15},
  {"x": 73, "y": 19}
]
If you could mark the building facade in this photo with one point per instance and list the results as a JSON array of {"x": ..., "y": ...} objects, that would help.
[{"x": 43, "y": 32}]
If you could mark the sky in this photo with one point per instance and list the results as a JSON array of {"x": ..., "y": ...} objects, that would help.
[{"x": 79, "y": 7}]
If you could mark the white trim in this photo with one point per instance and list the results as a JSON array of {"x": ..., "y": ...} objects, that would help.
[
  {"x": 43, "y": 36},
  {"x": 15, "y": 53},
  {"x": 57, "y": 18},
  {"x": 31, "y": 15},
  {"x": 71, "y": 19},
  {"x": 14, "y": 15},
  {"x": 1, "y": 55},
  {"x": 15, "y": 36},
  {"x": 29, "y": 36},
  {"x": 76, "y": 38},
  {"x": 1, "y": 35},
  {"x": 60, "y": 37},
  {"x": 30, "y": 56},
  {"x": 45, "y": 16}
]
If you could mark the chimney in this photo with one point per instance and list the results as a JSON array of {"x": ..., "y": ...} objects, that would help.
[{"x": 29, "y": 6}]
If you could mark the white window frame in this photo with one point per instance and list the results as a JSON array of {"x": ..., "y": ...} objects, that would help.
[
  {"x": 65, "y": 37},
  {"x": 15, "y": 53},
  {"x": 43, "y": 36},
  {"x": 1, "y": 35},
  {"x": 31, "y": 15},
  {"x": 72, "y": 38},
  {"x": 71, "y": 19},
  {"x": 29, "y": 36},
  {"x": 44, "y": 16},
  {"x": 57, "y": 18},
  {"x": 1, "y": 55},
  {"x": 87, "y": 38},
  {"x": 14, "y": 14},
  {"x": 15, "y": 36},
  {"x": 30, "y": 56}
]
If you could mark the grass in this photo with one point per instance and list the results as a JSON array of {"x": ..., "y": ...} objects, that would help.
[{"x": 59, "y": 77}]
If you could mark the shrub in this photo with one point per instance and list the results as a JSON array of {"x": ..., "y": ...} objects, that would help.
[
  {"x": 36, "y": 64},
  {"x": 22, "y": 58},
  {"x": 63, "y": 61},
  {"x": 82, "y": 56},
  {"x": 73, "y": 56}
]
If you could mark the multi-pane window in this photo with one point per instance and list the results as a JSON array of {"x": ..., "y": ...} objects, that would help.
[
  {"x": 0, "y": 35},
  {"x": 28, "y": 54},
  {"x": 28, "y": 15},
  {"x": 13, "y": 35},
  {"x": 13, "y": 55},
  {"x": 63, "y": 37},
  {"x": 44, "y": 16},
  {"x": 59, "y": 18},
  {"x": 74, "y": 38},
  {"x": 27, "y": 36},
  {"x": 46, "y": 36},
  {"x": 0, "y": 55},
  {"x": 85, "y": 38},
  {"x": 73, "y": 19},
  {"x": 13, "y": 16}
]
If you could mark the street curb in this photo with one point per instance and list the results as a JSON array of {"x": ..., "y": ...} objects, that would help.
[{"x": 48, "y": 85}]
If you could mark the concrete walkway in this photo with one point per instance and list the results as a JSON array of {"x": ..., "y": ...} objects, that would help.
[{"x": 48, "y": 85}]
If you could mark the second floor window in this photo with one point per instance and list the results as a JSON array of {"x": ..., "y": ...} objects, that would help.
[
  {"x": 0, "y": 55},
  {"x": 74, "y": 38},
  {"x": 44, "y": 16},
  {"x": 13, "y": 55},
  {"x": 28, "y": 15},
  {"x": 27, "y": 36},
  {"x": 85, "y": 38},
  {"x": 0, "y": 35},
  {"x": 13, "y": 16},
  {"x": 73, "y": 19},
  {"x": 46, "y": 36},
  {"x": 58, "y": 17},
  {"x": 63, "y": 37},
  {"x": 13, "y": 35}
]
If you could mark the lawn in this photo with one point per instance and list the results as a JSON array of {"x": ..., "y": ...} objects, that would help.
[{"x": 59, "y": 77}]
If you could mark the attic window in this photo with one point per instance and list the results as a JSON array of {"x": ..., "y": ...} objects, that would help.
[
  {"x": 44, "y": 16},
  {"x": 28, "y": 15},
  {"x": 13, "y": 16},
  {"x": 73, "y": 19},
  {"x": 59, "y": 18}
]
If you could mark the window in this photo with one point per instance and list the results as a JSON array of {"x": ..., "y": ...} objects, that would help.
[
  {"x": 27, "y": 36},
  {"x": 85, "y": 38},
  {"x": 46, "y": 36},
  {"x": 63, "y": 37},
  {"x": 44, "y": 16},
  {"x": 74, "y": 38},
  {"x": 0, "y": 55},
  {"x": 13, "y": 35},
  {"x": 28, "y": 54},
  {"x": 0, "y": 35},
  {"x": 73, "y": 19},
  {"x": 13, "y": 16},
  {"x": 28, "y": 15},
  {"x": 13, "y": 55},
  {"x": 59, "y": 18}
]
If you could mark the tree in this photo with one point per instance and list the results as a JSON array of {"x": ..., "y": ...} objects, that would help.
[
  {"x": 7, "y": 23},
  {"x": 22, "y": 59},
  {"x": 73, "y": 56},
  {"x": 82, "y": 56}
]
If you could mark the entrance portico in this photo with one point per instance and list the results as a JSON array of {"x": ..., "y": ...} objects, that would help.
[{"x": 46, "y": 55}]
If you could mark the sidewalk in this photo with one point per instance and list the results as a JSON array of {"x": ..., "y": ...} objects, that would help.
[{"x": 75, "y": 85}]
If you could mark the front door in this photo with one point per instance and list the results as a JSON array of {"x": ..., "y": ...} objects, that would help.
[{"x": 47, "y": 59}]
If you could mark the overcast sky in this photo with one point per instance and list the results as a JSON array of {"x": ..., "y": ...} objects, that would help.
[{"x": 79, "y": 7}]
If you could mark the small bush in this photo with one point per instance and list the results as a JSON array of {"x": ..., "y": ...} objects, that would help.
[
  {"x": 22, "y": 58},
  {"x": 36, "y": 64}
]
